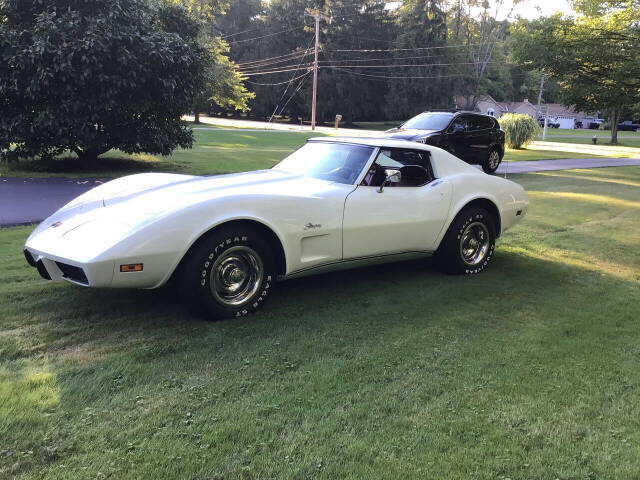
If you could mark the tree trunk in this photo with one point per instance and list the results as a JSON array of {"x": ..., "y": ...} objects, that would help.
[
  {"x": 615, "y": 114},
  {"x": 89, "y": 155},
  {"x": 196, "y": 117}
]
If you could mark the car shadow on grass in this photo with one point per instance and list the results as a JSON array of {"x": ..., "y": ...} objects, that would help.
[{"x": 412, "y": 292}]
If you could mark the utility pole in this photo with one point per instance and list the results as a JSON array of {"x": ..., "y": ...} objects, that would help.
[
  {"x": 540, "y": 93},
  {"x": 546, "y": 113},
  {"x": 315, "y": 73},
  {"x": 316, "y": 15}
]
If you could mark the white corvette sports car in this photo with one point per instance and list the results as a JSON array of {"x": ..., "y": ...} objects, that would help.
[{"x": 333, "y": 203}]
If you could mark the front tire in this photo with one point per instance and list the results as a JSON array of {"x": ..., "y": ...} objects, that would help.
[
  {"x": 229, "y": 273},
  {"x": 492, "y": 162},
  {"x": 467, "y": 247}
]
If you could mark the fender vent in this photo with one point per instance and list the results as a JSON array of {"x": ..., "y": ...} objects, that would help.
[{"x": 73, "y": 273}]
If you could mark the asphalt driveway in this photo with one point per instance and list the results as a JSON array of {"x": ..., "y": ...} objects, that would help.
[{"x": 31, "y": 200}]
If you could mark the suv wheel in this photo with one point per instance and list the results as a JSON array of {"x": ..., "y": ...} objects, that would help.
[{"x": 492, "y": 162}]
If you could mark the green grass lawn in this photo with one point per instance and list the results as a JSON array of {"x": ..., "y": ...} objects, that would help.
[
  {"x": 625, "y": 139},
  {"x": 528, "y": 371},
  {"x": 215, "y": 151}
]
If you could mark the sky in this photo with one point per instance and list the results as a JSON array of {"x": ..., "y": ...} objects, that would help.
[
  {"x": 529, "y": 9},
  {"x": 532, "y": 9}
]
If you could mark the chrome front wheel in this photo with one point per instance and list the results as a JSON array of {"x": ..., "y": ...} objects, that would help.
[
  {"x": 229, "y": 273},
  {"x": 236, "y": 275}
]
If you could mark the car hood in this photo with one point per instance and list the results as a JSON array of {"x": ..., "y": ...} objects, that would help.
[
  {"x": 110, "y": 211},
  {"x": 408, "y": 134}
]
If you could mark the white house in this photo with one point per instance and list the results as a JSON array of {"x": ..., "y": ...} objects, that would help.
[{"x": 566, "y": 116}]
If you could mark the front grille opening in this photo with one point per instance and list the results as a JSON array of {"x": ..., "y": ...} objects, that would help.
[
  {"x": 73, "y": 273},
  {"x": 42, "y": 270},
  {"x": 30, "y": 260}
]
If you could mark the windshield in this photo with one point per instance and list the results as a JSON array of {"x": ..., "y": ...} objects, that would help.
[
  {"x": 428, "y": 121},
  {"x": 334, "y": 162}
]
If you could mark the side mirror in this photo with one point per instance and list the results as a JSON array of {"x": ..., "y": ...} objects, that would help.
[{"x": 391, "y": 176}]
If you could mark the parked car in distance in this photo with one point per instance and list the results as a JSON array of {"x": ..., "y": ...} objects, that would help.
[
  {"x": 472, "y": 137},
  {"x": 551, "y": 123},
  {"x": 595, "y": 124},
  {"x": 629, "y": 126},
  {"x": 334, "y": 203}
]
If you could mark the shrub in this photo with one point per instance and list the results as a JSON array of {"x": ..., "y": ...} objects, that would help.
[
  {"x": 92, "y": 75},
  {"x": 606, "y": 125},
  {"x": 519, "y": 129}
]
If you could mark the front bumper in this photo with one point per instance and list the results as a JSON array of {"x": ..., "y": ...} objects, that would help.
[{"x": 51, "y": 267}]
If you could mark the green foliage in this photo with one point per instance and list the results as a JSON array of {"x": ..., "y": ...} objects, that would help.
[
  {"x": 446, "y": 49},
  {"x": 92, "y": 76},
  {"x": 519, "y": 129},
  {"x": 593, "y": 56}
]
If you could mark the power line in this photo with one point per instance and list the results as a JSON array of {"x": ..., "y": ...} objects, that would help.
[
  {"x": 411, "y": 65},
  {"x": 305, "y": 76},
  {"x": 398, "y": 76},
  {"x": 273, "y": 64},
  {"x": 385, "y": 59},
  {"x": 402, "y": 77},
  {"x": 403, "y": 49},
  {"x": 272, "y": 58},
  {"x": 308, "y": 50},
  {"x": 278, "y": 83},
  {"x": 267, "y": 35},
  {"x": 238, "y": 33},
  {"x": 250, "y": 74}
]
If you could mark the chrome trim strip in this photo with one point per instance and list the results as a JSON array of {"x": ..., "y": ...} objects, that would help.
[{"x": 357, "y": 262}]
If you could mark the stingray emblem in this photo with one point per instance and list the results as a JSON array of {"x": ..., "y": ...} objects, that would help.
[
  {"x": 310, "y": 226},
  {"x": 56, "y": 224}
]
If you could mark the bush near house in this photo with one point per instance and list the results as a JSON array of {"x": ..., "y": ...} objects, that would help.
[{"x": 519, "y": 129}]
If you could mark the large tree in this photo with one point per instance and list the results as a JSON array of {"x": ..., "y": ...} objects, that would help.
[
  {"x": 223, "y": 87},
  {"x": 89, "y": 76},
  {"x": 594, "y": 56}
]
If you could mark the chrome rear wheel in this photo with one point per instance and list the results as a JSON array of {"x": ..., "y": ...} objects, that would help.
[{"x": 474, "y": 243}]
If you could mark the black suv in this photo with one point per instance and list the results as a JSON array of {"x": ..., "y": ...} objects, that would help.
[{"x": 471, "y": 137}]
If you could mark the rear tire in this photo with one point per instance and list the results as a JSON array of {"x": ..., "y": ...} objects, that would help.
[
  {"x": 492, "y": 162},
  {"x": 229, "y": 273},
  {"x": 468, "y": 245}
]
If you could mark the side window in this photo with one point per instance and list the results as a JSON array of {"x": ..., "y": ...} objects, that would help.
[
  {"x": 487, "y": 123},
  {"x": 459, "y": 125},
  {"x": 477, "y": 123},
  {"x": 414, "y": 165}
]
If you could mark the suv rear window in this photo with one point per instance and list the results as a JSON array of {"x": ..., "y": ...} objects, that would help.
[{"x": 479, "y": 122}]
